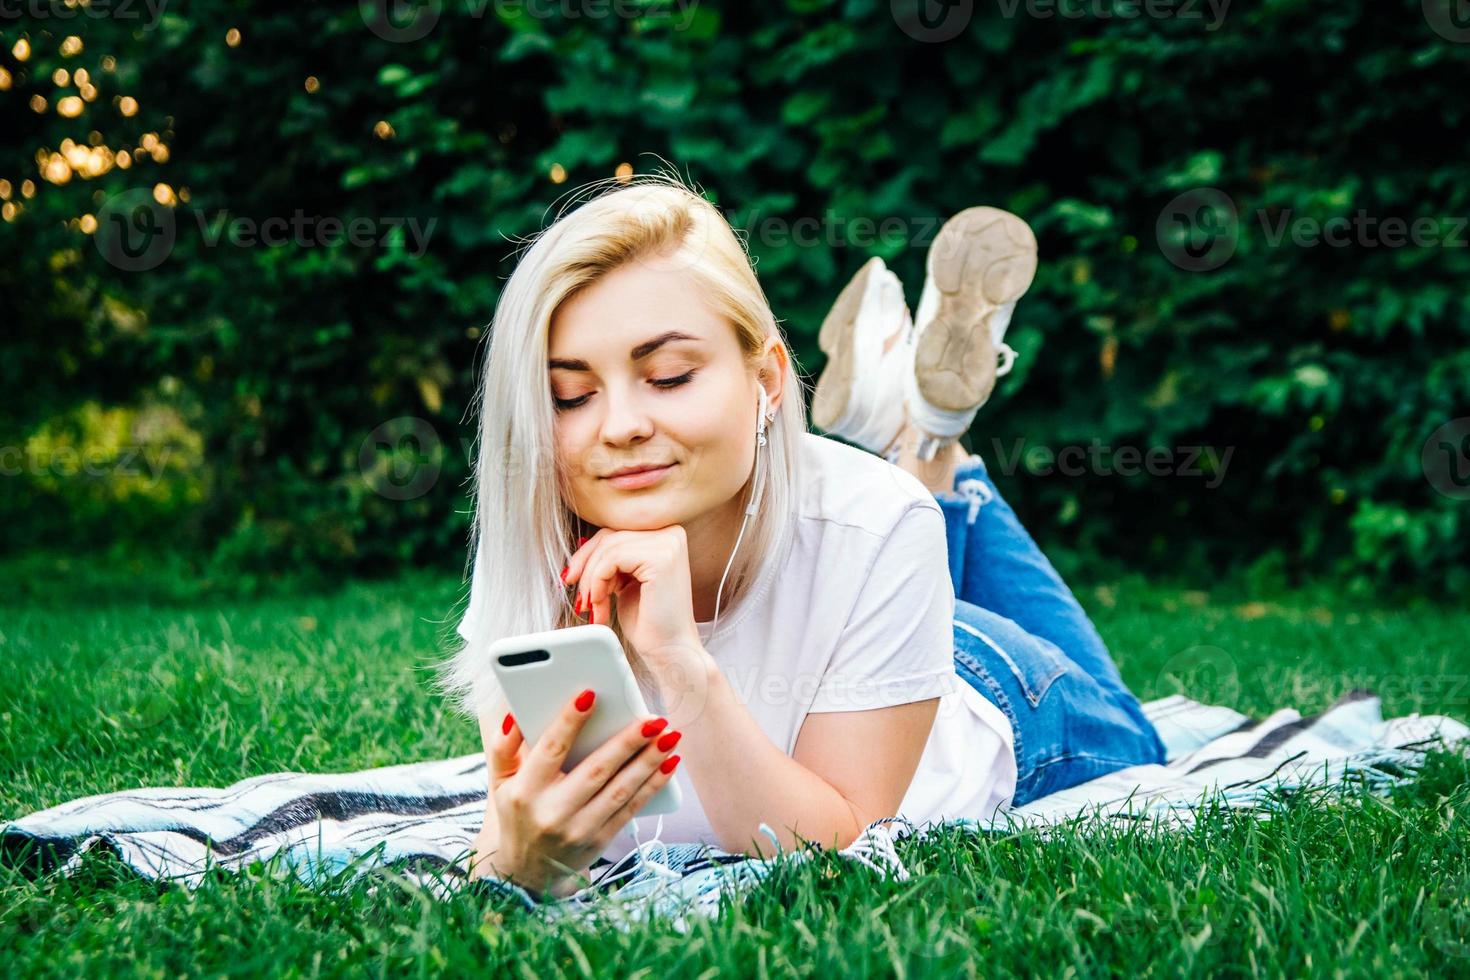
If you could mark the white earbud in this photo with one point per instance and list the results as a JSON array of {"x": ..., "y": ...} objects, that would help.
[
  {"x": 761, "y": 422},
  {"x": 763, "y": 418}
]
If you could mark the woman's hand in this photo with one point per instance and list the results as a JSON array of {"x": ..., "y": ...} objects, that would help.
[
  {"x": 552, "y": 824},
  {"x": 649, "y": 573}
]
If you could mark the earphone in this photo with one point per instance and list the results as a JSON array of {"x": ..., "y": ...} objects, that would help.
[{"x": 762, "y": 419}]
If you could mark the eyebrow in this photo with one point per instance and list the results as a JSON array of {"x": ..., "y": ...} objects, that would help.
[{"x": 637, "y": 353}]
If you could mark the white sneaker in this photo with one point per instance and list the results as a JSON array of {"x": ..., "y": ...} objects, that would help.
[
  {"x": 982, "y": 261},
  {"x": 859, "y": 396}
]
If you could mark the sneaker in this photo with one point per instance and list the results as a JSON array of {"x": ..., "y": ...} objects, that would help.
[
  {"x": 859, "y": 396},
  {"x": 981, "y": 262}
]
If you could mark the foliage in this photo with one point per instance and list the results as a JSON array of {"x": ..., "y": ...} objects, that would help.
[{"x": 827, "y": 134}]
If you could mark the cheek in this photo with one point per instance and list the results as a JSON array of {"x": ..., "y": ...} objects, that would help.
[
  {"x": 572, "y": 452},
  {"x": 721, "y": 449}
]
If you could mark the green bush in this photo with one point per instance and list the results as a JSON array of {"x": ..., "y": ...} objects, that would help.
[{"x": 827, "y": 133}]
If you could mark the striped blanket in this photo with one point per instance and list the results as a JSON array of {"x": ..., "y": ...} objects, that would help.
[{"x": 322, "y": 826}]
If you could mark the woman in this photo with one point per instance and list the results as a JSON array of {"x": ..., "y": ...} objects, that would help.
[{"x": 891, "y": 641}]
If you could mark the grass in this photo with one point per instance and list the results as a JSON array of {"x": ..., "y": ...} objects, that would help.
[{"x": 134, "y": 676}]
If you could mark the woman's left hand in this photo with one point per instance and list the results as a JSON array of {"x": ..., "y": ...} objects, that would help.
[{"x": 649, "y": 573}]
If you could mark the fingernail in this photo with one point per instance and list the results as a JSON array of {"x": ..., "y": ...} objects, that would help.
[
  {"x": 505, "y": 725},
  {"x": 593, "y": 613},
  {"x": 669, "y": 741},
  {"x": 584, "y": 700},
  {"x": 582, "y": 541},
  {"x": 565, "y": 569},
  {"x": 577, "y": 604},
  {"x": 652, "y": 728},
  {"x": 669, "y": 764}
]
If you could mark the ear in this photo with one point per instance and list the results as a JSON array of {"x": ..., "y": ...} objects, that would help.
[{"x": 771, "y": 372}]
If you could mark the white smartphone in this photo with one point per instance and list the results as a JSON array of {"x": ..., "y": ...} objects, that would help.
[{"x": 541, "y": 672}]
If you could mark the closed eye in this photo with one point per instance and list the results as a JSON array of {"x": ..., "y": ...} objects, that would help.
[{"x": 563, "y": 404}]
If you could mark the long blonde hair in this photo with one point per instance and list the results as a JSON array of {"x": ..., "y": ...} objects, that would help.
[{"x": 523, "y": 533}]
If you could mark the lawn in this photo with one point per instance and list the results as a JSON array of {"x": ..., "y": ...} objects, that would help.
[{"x": 141, "y": 675}]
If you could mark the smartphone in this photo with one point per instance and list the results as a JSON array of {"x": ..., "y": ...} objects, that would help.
[{"x": 541, "y": 672}]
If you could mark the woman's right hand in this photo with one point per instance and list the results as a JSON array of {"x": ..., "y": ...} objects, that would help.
[{"x": 554, "y": 824}]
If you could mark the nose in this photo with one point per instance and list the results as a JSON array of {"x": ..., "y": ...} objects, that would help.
[{"x": 625, "y": 419}]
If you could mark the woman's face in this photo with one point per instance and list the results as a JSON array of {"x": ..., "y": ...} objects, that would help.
[{"x": 644, "y": 373}]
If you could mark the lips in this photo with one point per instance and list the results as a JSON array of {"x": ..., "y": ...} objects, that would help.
[
  {"x": 630, "y": 470},
  {"x": 638, "y": 478}
]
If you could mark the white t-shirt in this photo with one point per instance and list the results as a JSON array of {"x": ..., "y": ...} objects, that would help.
[{"x": 859, "y": 616}]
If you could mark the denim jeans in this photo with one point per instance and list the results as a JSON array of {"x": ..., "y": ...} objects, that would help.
[{"x": 1022, "y": 640}]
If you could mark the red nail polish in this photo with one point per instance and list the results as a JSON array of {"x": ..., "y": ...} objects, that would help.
[
  {"x": 582, "y": 541},
  {"x": 584, "y": 700},
  {"x": 669, "y": 764},
  {"x": 565, "y": 569},
  {"x": 505, "y": 725},
  {"x": 593, "y": 612},
  {"x": 669, "y": 741},
  {"x": 652, "y": 728}
]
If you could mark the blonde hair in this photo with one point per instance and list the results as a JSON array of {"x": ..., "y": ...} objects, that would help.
[{"x": 523, "y": 533}]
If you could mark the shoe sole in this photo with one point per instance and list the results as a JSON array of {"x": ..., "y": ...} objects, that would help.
[
  {"x": 981, "y": 259},
  {"x": 834, "y": 387}
]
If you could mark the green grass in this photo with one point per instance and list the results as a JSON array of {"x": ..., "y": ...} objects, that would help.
[{"x": 145, "y": 676}]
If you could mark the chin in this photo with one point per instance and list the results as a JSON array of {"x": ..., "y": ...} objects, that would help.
[{"x": 648, "y": 511}]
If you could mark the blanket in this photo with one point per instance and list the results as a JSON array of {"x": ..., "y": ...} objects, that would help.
[{"x": 419, "y": 819}]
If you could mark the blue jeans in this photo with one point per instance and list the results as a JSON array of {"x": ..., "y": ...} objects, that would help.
[{"x": 1022, "y": 640}]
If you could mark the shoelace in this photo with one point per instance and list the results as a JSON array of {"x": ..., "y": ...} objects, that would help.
[
  {"x": 979, "y": 493},
  {"x": 876, "y": 842},
  {"x": 1007, "y": 358}
]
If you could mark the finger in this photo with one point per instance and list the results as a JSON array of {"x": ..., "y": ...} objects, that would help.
[
  {"x": 600, "y": 576},
  {"x": 578, "y": 561},
  {"x": 543, "y": 762},
  {"x": 593, "y": 773},
  {"x": 625, "y": 794},
  {"x": 656, "y": 780},
  {"x": 504, "y": 755}
]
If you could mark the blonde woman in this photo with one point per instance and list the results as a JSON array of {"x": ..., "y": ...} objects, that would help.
[{"x": 827, "y": 636}]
